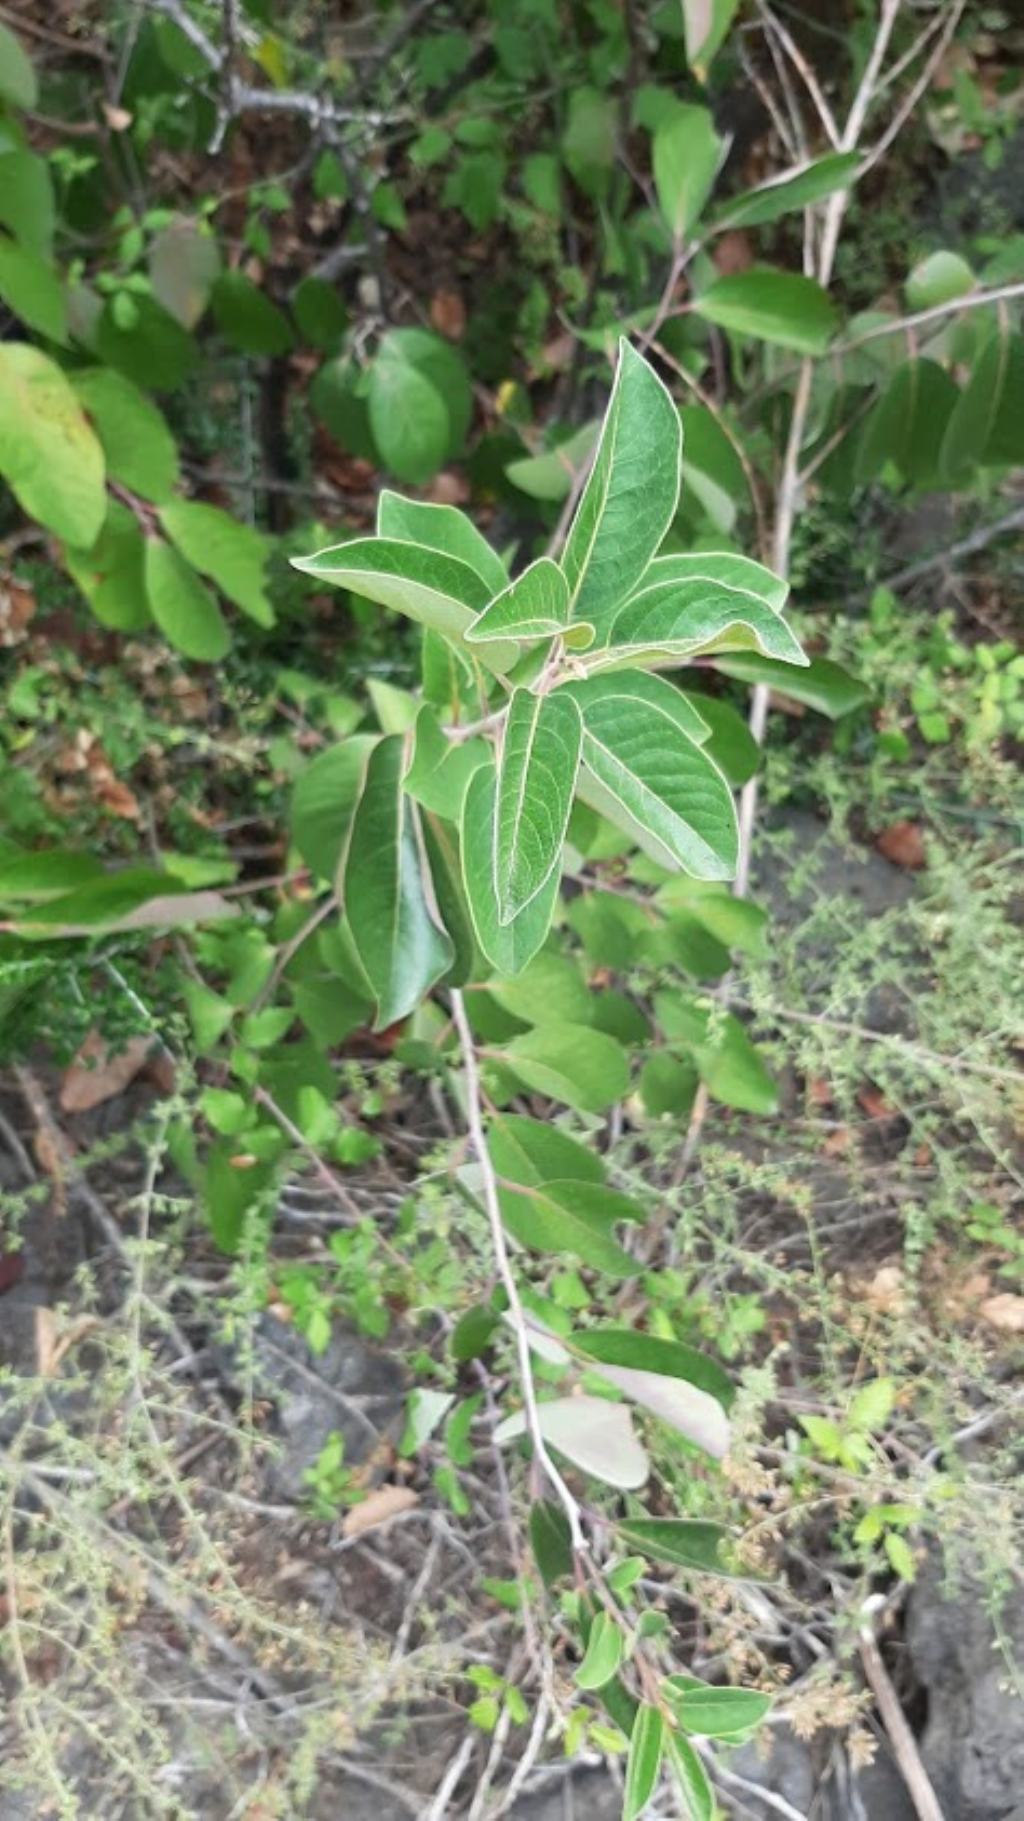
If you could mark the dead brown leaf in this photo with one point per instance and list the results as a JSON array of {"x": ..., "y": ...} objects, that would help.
[
  {"x": 1005, "y": 1312},
  {"x": 98, "y": 1074},
  {"x": 903, "y": 844},
  {"x": 448, "y": 489},
  {"x": 17, "y": 606},
  {"x": 886, "y": 1292},
  {"x": 874, "y": 1102},
  {"x": 385, "y": 1503},
  {"x": 448, "y": 314}
]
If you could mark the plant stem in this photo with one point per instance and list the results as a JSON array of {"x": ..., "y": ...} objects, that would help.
[{"x": 478, "y": 1139}]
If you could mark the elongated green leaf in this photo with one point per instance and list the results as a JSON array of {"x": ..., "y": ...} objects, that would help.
[
  {"x": 540, "y": 757},
  {"x": 183, "y": 262},
  {"x": 730, "y": 744},
  {"x": 631, "y": 496},
  {"x": 548, "y": 991},
  {"x": 988, "y": 410},
  {"x": 409, "y": 419},
  {"x": 442, "y": 528},
  {"x": 324, "y": 802},
  {"x": 550, "y": 476},
  {"x": 686, "y": 155},
  {"x": 573, "y": 1063},
  {"x": 507, "y": 946},
  {"x": 49, "y": 454},
  {"x": 646, "y": 1748},
  {"x": 715, "y": 1713},
  {"x": 691, "y": 1778},
  {"x": 182, "y": 607},
  {"x": 112, "y": 574},
  {"x": 685, "y": 1542},
  {"x": 137, "y": 443},
  {"x": 712, "y": 470},
  {"x": 670, "y": 621},
  {"x": 781, "y": 307},
  {"x": 441, "y": 769},
  {"x": 528, "y": 1152},
  {"x": 793, "y": 190},
  {"x": 727, "y": 1061},
  {"x": 400, "y": 945},
  {"x": 426, "y": 585},
  {"x": 247, "y": 318},
  {"x": 823, "y": 685},
  {"x": 604, "y": 1653},
  {"x": 647, "y": 1353},
  {"x": 534, "y": 606},
  {"x": 550, "y": 1541},
  {"x": 232, "y": 554},
  {"x": 907, "y": 424},
  {"x": 656, "y": 781},
  {"x": 17, "y": 76},
  {"x": 30, "y": 287},
  {"x": 153, "y": 349},
  {"x": 441, "y": 845},
  {"x": 575, "y": 1217},
  {"x": 31, "y": 877},
  {"x": 27, "y": 205}
]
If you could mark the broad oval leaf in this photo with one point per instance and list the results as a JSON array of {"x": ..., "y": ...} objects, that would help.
[
  {"x": 550, "y": 476},
  {"x": 548, "y": 991},
  {"x": 725, "y": 568},
  {"x": 705, "y": 24},
  {"x": 693, "y": 1413},
  {"x": 49, "y": 454},
  {"x": 441, "y": 769},
  {"x": 426, "y": 585},
  {"x": 907, "y": 424},
  {"x": 232, "y": 554},
  {"x": 654, "y": 779},
  {"x": 324, "y": 802},
  {"x": 573, "y": 1063},
  {"x": 791, "y": 190},
  {"x": 769, "y": 305},
  {"x": 401, "y": 947},
  {"x": 17, "y": 75},
  {"x": 183, "y": 608},
  {"x": 937, "y": 280},
  {"x": 540, "y": 756},
  {"x": 673, "y": 620},
  {"x": 27, "y": 205},
  {"x": 686, "y": 155},
  {"x": 550, "y": 1541},
  {"x": 442, "y": 528},
  {"x": 604, "y": 1653},
  {"x": 727, "y": 1061},
  {"x": 985, "y": 424},
  {"x": 643, "y": 1764},
  {"x": 715, "y": 1713},
  {"x": 575, "y": 1217},
  {"x": 247, "y": 318},
  {"x": 528, "y": 1151},
  {"x": 730, "y": 742},
  {"x": 507, "y": 946},
  {"x": 138, "y": 446},
  {"x": 112, "y": 574},
  {"x": 534, "y": 606},
  {"x": 630, "y": 497},
  {"x": 597, "y": 1436},
  {"x": 30, "y": 287}
]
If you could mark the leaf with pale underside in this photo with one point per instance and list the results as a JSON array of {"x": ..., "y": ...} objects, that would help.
[
  {"x": 392, "y": 922},
  {"x": 540, "y": 757},
  {"x": 507, "y": 946},
  {"x": 676, "y": 1383},
  {"x": 428, "y": 586},
  {"x": 442, "y": 528},
  {"x": 571, "y": 1216},
  {"x": 631, "y": 496},
  {"x": 646, "y": 1749},
  {"x": 534, "y": 606},
  {"x": 651, "y": 776},
  {"x": 673, "y": 620},
  {"x": 597, "y": 1436}
]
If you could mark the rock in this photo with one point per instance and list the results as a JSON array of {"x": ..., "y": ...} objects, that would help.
[
  {"x": 801, "y": 1773},
  {"x": 352, "y": 1387},
  {"x": 973, "y": 1743},
  {"x": 582, "y": 1795}
]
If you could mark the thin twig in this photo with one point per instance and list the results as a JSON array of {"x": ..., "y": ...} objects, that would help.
[
  {"x": 904, "y": 1745},
  {"x": 917, "y": 89},
  {"x": 901, "y": 325},
  {"x": 478, "y": 1137},
  {"x": 803, "y": 69}
]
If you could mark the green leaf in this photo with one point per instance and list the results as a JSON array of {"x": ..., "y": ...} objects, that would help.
[
  {"x": 686, "y": 155},
  {"x": 233, "y": 555},
  {"x": 400, "y": 945},
  {"x": 646, "y": 1748},
  {"x": 112, "y": 574},
  {"x": 138, "y": 446},
  {"x": 823, "y": 685},
  {"x": 675, "y": 1388},
  {"x": 937, "y": 280},
  {"x": 604, "y": 1653},
  {"x": 534, "y": 606},
  {"x": 153, "y": 350},
  {"x": 733, "y": 921},
  {"x": 49, "y": 454},
  {"x": 30, "y": 288},
  {"x": 730, "y": 744},
  {"x": 685, "y": 1542},
  {"x": 324, "y": 802},
  {"x": 337, "y": 398},
  {"x": 507, "y": 946},
  {"x": 17, "y": 76},
  {"x": 630, "y": 497},
  {"x": 230, "y": 1192},
  {"x": 718, "y": 569},
  {"x": 872, "y": 1406},
  {"x": 472, "y": 1333},
  {"x": 420, "y": 403},
  {"x": 540, "y": 755},
  {"x": 652, "y": 777},
  {"x": 712, "y": 470},
  {"x": 715, "y": 1713},
  {"x": 674, "y": 616},
  {"x": 137, "y": 898},
  {"x": 550, "y": 1541},
  {"x": 727, "y": 1061},
  {"x": 182, "y": 607},
  {"x": 647, "y": 1353},
  {"x": 667, "y": 1085},
  {"x": 442, "y": 528},
  {"x": 247, "y": 319},
  {"x": 906, "y": 425},
  {"x": 29, "y": 877},
  {"x": 441, "y": 769},
  {"x": 550, "y": 476},
  {"x": 27, "y": 205},
  {"x": 550, "y": 990},
  {"x": 320, "y": 313},
  {"x": 691, "y": 1777},
  {"x": 705, "y": 24},
  {"x": 588, "y": 142},
  {"x": 183, "y": 263},
  {"x": 575, "y": 1217},
  {"x": 437, "y": 590},
  {"x": 573, "y": 1063},
  {"x": 780, "y": 307},
  {"x": 593, "y": 1433},
  {"x": 985, "y": 424},
  {"x": 441, "y": 844},
  {"x": 528, "y": 1152},
  {"x": 792, "y": 190}
]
